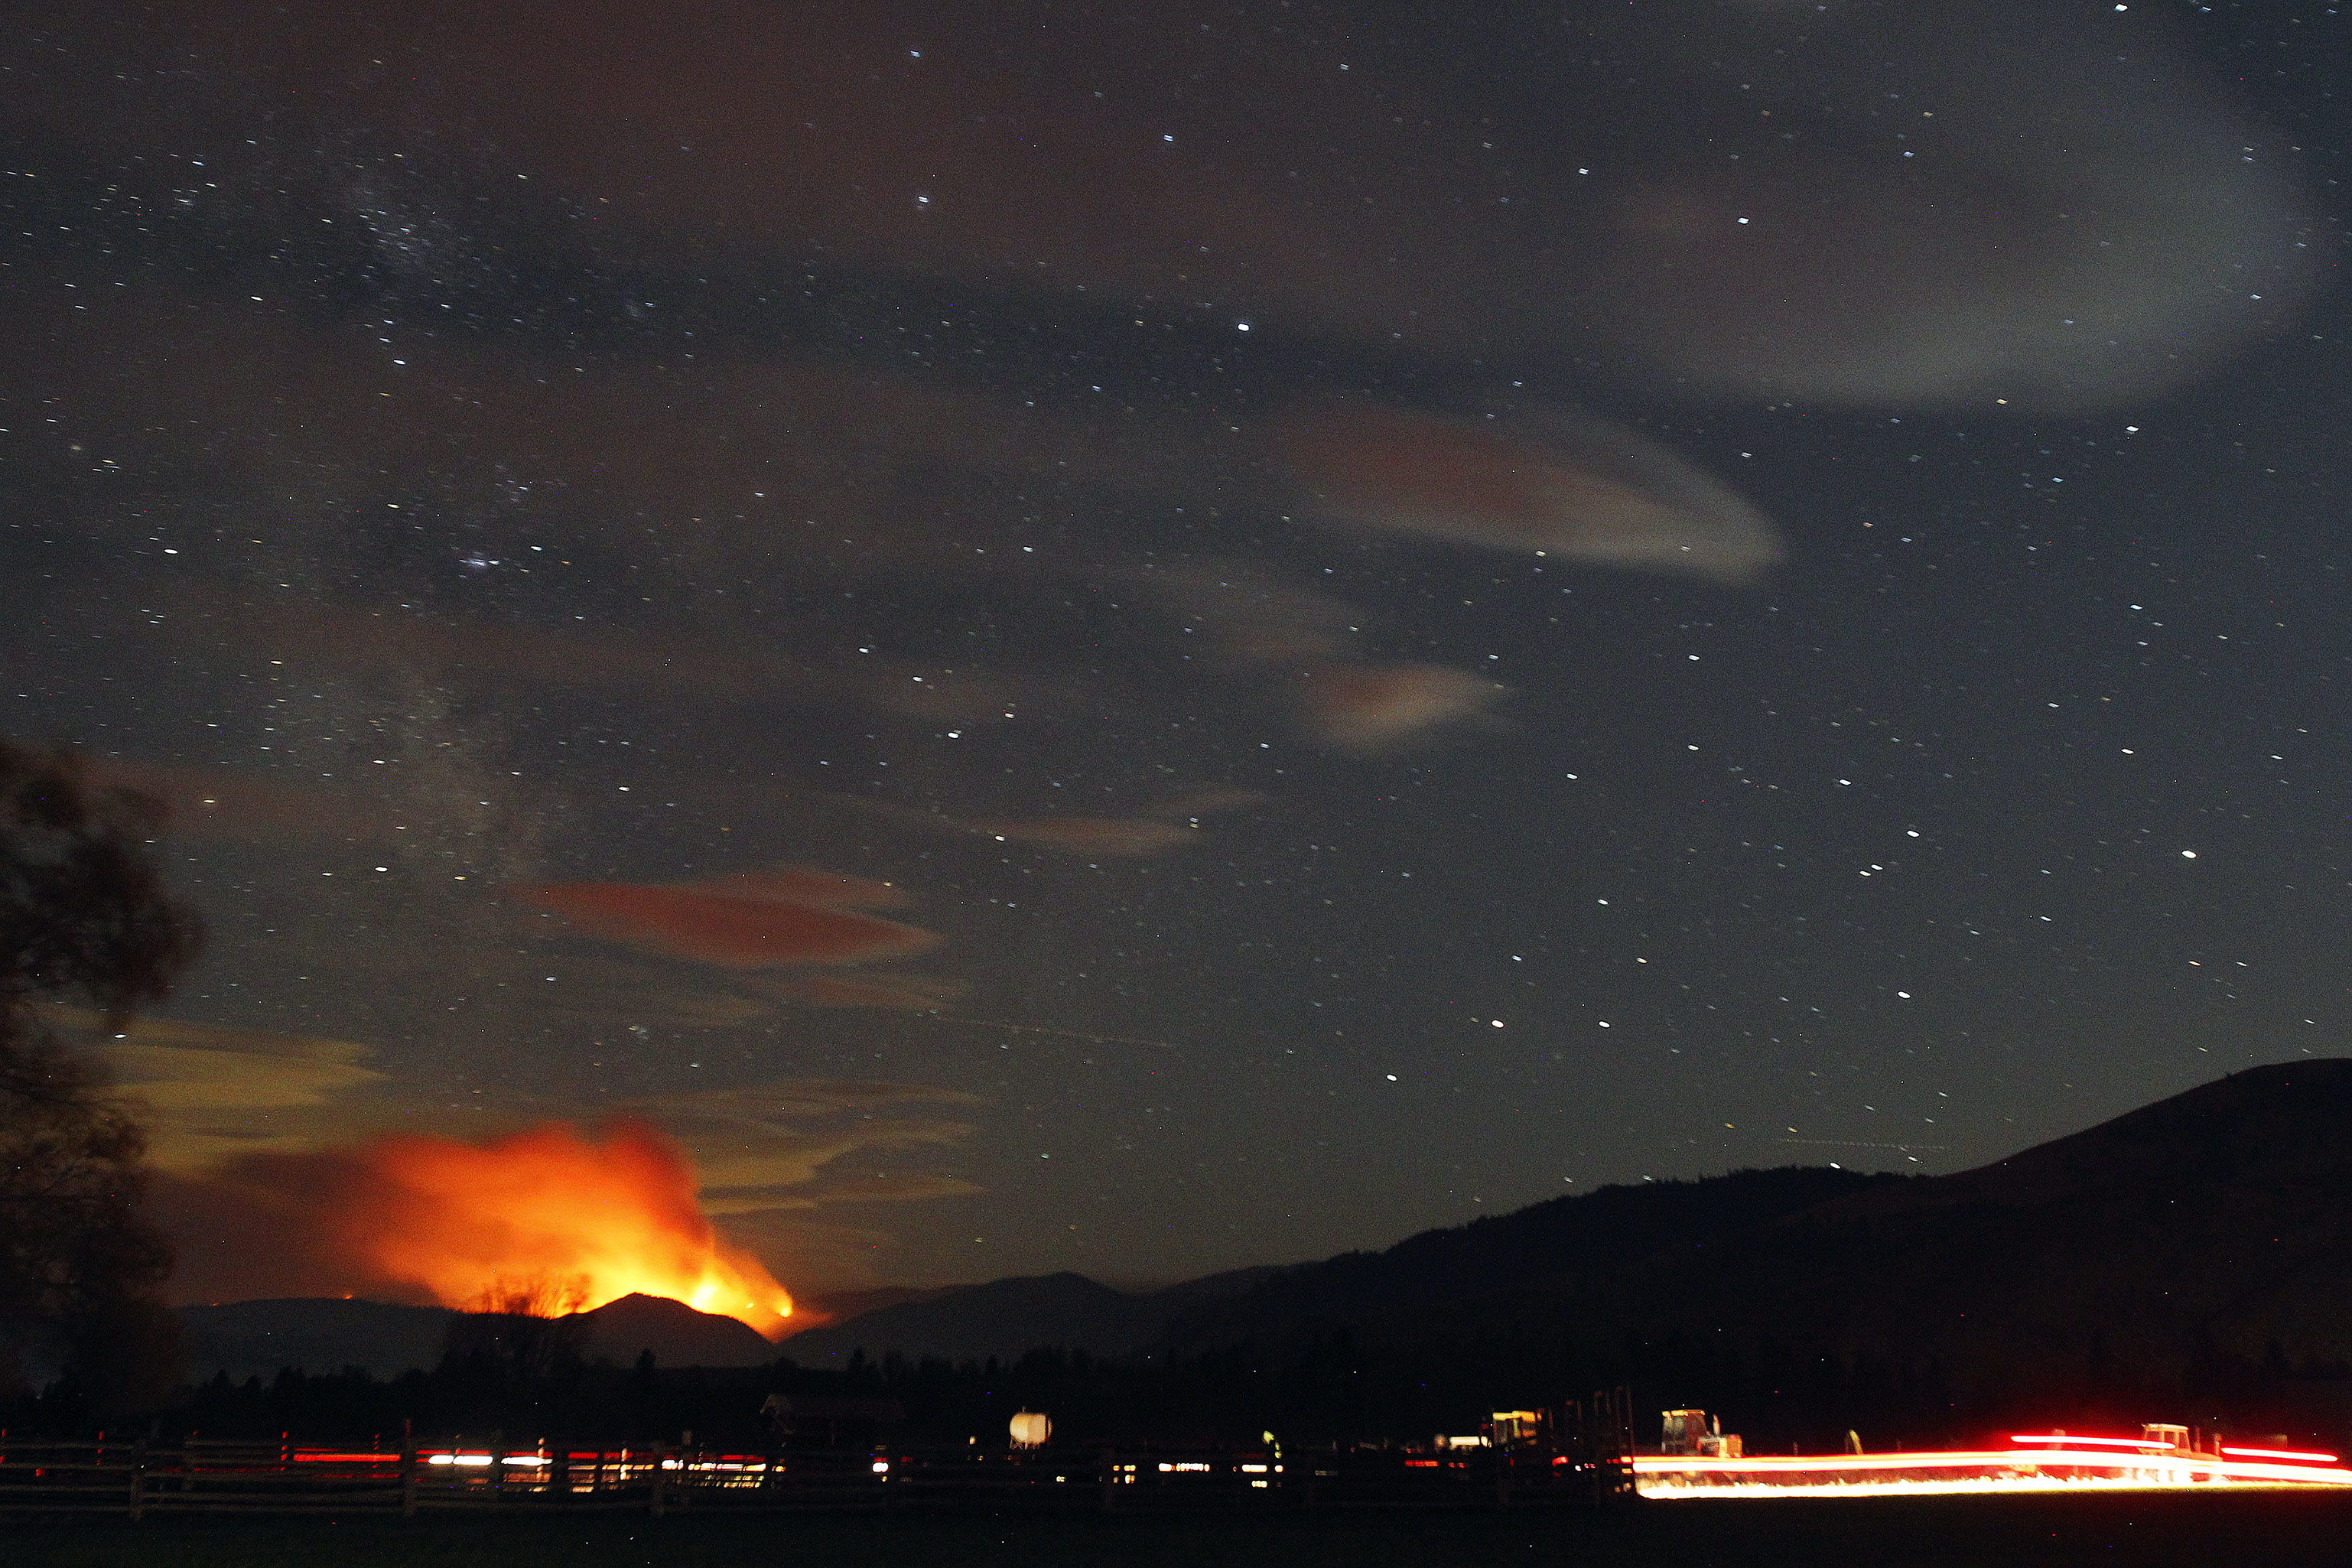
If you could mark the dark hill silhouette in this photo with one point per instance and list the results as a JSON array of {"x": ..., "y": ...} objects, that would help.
[
  {"x": 2193, "y": 1257},
  {"x": 2213, "y": 1228},
  {"x": 2173, "y": 1258},
  {"x": 815, "y": 1311},
  {"x": 326, "y": 1334},
  {"x": 255, "y": 1339},
  {"x": 2287, "y": 1122},
  {"x": 2179, "y": 1252},
  {"x": 1604, "y": 1229},
  {"x": 678, "y": 1335},
  {"x": 1005, "y": 1317},
  {"x": 1587, "y": 1233}
]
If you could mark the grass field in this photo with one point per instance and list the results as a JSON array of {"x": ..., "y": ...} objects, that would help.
[{"x": 2209, "y": 1532}]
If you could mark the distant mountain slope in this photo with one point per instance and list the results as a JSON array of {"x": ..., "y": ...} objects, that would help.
[
  {"x": 2200, "y": 1240},
  {"x": 2170, "y": 1250},
  {"x": 816, "y": 1311},
  {"x": 326, "y": 1334},
  {"x": 2214, "y": 1226},
  {"x": 2130, "y": 1241},
  {"x": 678, "y": 1335},
  {"x": 1587, "y": 1233},
  {"x": 1006, "y": 1316},
  {"x": 255, "y": 1339},
  {"x": 1601, "y": 1230}
]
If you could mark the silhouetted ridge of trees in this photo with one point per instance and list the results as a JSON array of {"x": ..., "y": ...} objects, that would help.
[{"x": 1312, "y": 1389}]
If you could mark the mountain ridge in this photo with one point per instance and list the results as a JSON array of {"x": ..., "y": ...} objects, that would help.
[
  {"x": 326, "y": 1334},
  {"x": 2206, "y": 1232}
]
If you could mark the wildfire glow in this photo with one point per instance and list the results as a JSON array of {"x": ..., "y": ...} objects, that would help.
[{"x": 553, "y": 1216}]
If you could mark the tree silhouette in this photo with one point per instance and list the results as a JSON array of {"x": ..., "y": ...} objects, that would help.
[{"x": 83, "y": 919}]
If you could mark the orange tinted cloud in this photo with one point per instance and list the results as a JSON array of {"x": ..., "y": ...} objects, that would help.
[
  {"x": 1550, "y": 481},
  {"x": 1253, "y": 613},
  {"x": 1372, "y": 707},
  {"x": 735, "y": 923},
  {"x": 1307, "y": 634}
]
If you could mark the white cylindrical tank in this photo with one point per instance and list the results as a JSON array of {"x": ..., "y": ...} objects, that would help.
[{"x": 1031, "y": 1428}]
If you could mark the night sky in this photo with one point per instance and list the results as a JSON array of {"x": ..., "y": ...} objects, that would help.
[{"x": 454, "y": 481}]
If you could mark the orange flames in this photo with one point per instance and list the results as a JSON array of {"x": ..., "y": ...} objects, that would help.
[{"x": 551, "y": 1217}]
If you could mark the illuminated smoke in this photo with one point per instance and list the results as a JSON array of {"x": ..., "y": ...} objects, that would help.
[{"x": 550, "y": 1217}]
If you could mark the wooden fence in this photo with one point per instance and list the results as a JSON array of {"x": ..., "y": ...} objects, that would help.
[{"x": 140, "y": 1479}]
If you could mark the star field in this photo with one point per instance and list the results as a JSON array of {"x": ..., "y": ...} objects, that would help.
[{"x": 426, "y": 535}]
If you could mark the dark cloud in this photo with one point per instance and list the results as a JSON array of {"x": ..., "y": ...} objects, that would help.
[
  {"x": 1521, "y": 215},
  {"x": 659, "y": 664},
  {"x": 903, "y": 993},
  {"x": 223, "y": 803}
]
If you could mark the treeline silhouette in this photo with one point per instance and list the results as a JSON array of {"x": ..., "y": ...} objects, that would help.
[
  {"x": 84, "y": 921},
  {"x": 522, "y": 1379}
]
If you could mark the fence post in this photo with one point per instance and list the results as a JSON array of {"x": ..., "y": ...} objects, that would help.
[
  {"x": 139, "y": 1479},
  {"x": 1110, "y": 1479},
  {"x": 661, "y": 1474},
  {"x": 407, "y": 1468}
]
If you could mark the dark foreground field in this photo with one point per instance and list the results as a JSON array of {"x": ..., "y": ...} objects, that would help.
[{"x": 2208, "y": 1532}]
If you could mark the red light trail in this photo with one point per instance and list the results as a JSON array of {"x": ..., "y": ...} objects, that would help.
[{"x": 2040, "y": 1461}]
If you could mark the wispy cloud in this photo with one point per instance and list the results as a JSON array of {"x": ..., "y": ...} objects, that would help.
[
  {"x": 216, "y": 1091},
  {"x": 775, "y": 1146}
]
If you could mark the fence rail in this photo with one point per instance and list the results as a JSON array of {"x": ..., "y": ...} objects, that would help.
[{"x": 140, "y": 1479}]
